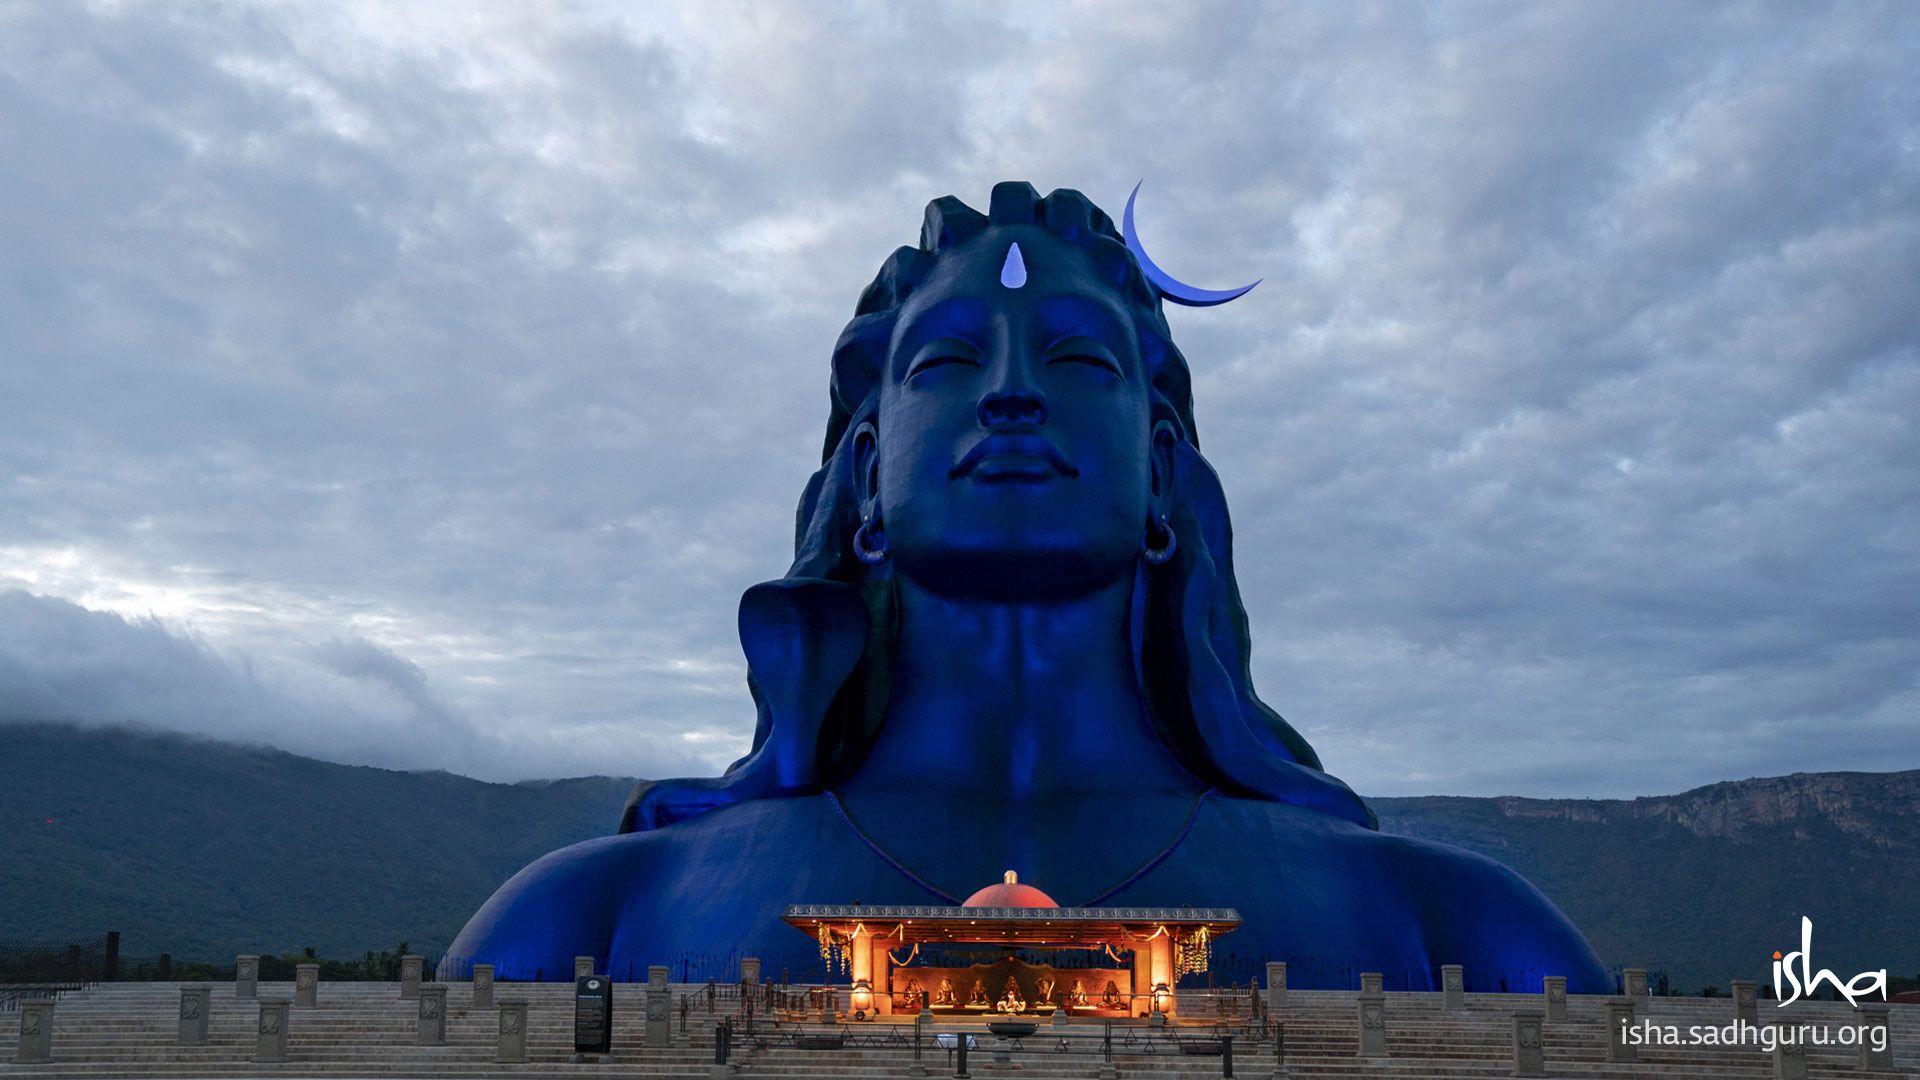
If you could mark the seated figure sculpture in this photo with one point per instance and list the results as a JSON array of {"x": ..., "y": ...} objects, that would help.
[
  {"x": 1111, "y": 998},
  {"x": 1010, "y": 1000},
  {"x": 945, "y": 995},
  {"x": 978, "y": 999},
  {"x": 1011, "y": 637}
]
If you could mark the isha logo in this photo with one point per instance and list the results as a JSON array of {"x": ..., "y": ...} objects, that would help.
[{"x": 1805, "y": 980}]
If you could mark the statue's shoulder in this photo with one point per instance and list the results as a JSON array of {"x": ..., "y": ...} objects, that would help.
[
  {"x": 574, "y": 900},
  {"x": 721, "y": 836},
  {"x": 1478, "y": 912},
  {"x": 1465, "y": 907},
  {"x": 1440, "y": 870},
  {"x": 555, "y": 908}
]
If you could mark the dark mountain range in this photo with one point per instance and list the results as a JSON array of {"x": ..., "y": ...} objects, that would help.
[
  {"x": 204, "y": 849},
  {"x": 1707, "y": 883}
]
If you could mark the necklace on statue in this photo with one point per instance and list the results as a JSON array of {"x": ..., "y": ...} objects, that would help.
[{"x": 1145, "y": 868}]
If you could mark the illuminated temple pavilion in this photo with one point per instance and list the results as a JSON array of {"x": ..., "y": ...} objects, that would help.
[{"x": 1145, "y": 950}]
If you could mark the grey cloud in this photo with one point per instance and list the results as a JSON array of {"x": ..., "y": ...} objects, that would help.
[
  {"x": 468, "y": 370},
  {"x": 346, "y": 699},
  {"x": 60, "y": 661}
]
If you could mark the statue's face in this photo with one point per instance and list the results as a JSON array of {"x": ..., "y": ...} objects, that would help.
[{"x": 1011, "y": 456}]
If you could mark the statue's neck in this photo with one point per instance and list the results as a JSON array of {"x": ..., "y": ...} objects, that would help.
[{"x": 1016, "y": 702}]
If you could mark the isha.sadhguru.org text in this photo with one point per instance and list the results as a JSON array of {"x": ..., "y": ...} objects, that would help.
[{"x": 1759, "y": 1036}]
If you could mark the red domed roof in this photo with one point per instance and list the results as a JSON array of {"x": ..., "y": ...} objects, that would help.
[{"x": 1010, "y": 894}]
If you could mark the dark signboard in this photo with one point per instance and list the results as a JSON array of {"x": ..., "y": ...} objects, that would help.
[{"x": 593, "y": 1015}]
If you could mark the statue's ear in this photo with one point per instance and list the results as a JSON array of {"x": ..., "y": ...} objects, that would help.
[
  {"x": 866, "y": 468},
  {"x": 1160, "y": 457}
]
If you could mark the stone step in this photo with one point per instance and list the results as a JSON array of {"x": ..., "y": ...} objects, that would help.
[{"x": 363, "y": 1030}]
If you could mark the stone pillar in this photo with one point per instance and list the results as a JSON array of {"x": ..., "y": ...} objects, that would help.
[
  {"x": 582, "y": 966},
  {"x": 431, "y": 1030},
  {"x": 1789, "y": 1058},
  {"x": 860, "y": 957},
  {"x": 306, "y": 985},
  {"x": 1746, "y": 1001},
  {"x": 410, "y": 972},
  {"x": 1453, "y": 987},
  {"x": 512, "y": 1047},
  {"x": 1554, "y": 987},
  {"x": 270, "y": 1036},
  {"x": 1529, "y": 1045},
  {"x": 1276, "y": 985},
  {"x": 1371, "y": 982},
  {"x": 1142, "y": 982},
  {"x": 882, "y": 979},
  {"x": 194, "y": 1004},
  {"x": 36, "y": 1032},
  {"x": 1371, "y": 1012},
  {"x": 483, "y": 986},
  {"x": 1635, "y": 980},
  {"x": 1619, "y": 1019},
  {"x": 1161, "y": 962},
  {"x": 246, "y": 977},
  {"x": 1875, "y": 1032},
  {"x": 750, "y": 971},
  {"x": 659, "y": 1008}
]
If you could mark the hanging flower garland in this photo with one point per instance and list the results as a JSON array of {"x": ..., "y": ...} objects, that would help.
[
  {"x": 1140, "y": 942},
  {"x": 833, "y": 950},
  {"x": 1193, "y": 955}
]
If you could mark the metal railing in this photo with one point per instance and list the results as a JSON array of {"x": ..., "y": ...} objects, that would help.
[
  {"x": 38, "y": 969},
  {"x": 1112, "y": 1041}
]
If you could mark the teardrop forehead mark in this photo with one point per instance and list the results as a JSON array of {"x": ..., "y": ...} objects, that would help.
[{"x": 1013, "y": 272}]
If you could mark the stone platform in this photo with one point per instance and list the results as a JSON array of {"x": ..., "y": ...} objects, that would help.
[{"x": 127, "y": 1031}]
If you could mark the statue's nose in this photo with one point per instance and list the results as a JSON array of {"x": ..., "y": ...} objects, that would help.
[
  {"x": 1013, "y": 397},
  {"x": 1023, "y": 405}
]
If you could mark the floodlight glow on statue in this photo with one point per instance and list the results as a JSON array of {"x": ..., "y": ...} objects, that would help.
[{"x": 1011, "y": 638}]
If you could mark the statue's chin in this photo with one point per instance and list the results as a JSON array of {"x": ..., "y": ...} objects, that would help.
[{"x": 1014, "y": 575}]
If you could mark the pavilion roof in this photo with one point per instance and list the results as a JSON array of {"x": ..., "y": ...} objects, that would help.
[{"x": 1057, "y": 927}]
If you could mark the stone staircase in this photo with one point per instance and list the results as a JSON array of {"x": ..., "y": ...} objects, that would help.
[{"x": 127, "y": 1030}]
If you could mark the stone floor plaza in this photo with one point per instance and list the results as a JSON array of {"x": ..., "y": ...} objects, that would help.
[{"x": 111, "y": 1031}]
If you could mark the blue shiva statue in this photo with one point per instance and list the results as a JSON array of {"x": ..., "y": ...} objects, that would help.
[{"x": 1011, "y": 639}]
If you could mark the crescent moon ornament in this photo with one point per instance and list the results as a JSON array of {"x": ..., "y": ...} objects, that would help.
[{"x": 1171, "y": 287}]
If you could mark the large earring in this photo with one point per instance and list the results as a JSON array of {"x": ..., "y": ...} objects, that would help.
[
  {"x": 869, "y": 543},
  {"x": 1162, "y": 550}
]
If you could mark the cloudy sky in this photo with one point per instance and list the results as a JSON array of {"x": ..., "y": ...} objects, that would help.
[{"x": 420, "y": 385}]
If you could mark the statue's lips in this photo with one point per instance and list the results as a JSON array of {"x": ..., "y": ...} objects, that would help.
[{"x": 1013, "y": 457}]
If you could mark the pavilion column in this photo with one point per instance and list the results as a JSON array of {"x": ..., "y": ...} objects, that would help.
[
  {"x": 1162, "y": 967},
  {"x": 860, "y": 960},
  {"x": 882, "y": 971},
  {"x": 1142, "y": 978}
]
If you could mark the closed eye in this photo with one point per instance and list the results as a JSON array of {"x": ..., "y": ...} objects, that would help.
[
  {"x": 942, "y": 352},
  {"x": 1086, "y": 358},
  {"x": 941, "y": 360},
  {"x": 1086, "y": 349}
]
